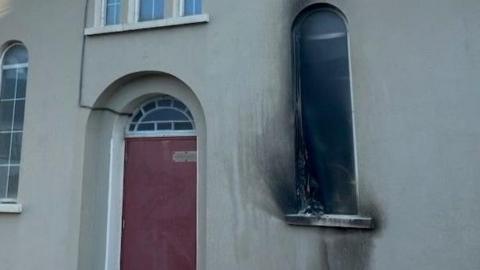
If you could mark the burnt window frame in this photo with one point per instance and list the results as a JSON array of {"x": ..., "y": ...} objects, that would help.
[{"x": 310, "y": 209}]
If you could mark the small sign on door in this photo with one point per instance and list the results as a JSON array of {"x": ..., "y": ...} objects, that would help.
[{"x": 184, "y": 156}]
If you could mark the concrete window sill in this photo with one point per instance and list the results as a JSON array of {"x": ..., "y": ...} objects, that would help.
[
  {"x": 338, "y": 221},
  {"x": 168, "y": 22},
  {"x": 10, "y": 208}
]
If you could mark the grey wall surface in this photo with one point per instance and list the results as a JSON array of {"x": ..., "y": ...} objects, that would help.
[{"x": 415, "y": 67}]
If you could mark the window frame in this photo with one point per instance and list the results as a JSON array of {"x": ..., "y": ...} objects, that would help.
[
  {"x": 161, "y": 133},
  {"x": 129, "y": 18},
  {"x": 11, "y": 205},
  {"x": 301, "y": 217}
]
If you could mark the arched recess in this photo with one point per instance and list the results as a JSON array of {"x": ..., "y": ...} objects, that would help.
[{"x": 102, "y": 188}]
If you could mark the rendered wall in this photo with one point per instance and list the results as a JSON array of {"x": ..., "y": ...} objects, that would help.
[{"x": 415, "y": 67}]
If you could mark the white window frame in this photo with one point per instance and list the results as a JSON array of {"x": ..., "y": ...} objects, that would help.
[
  {"x": 132, "y": 23},
  {"x": 161, "y": 133}
]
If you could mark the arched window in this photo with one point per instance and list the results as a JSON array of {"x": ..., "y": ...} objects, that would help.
[
  {"x": 325, "y": 155},
  {"x": 164, "y": 116},
  {"x": 14, "y": 68}
]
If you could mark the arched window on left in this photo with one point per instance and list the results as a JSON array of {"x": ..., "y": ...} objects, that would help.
[{"x": 14, "y": 68}]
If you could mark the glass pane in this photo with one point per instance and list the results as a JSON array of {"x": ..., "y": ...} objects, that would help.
[
  {"x": 151, "y": 10},
  {"x": 131, "y": 128},
  {"x": 3, "y": 182},
  {"x": 150, "y": 106},
  {"x": 165, "y": 115},
  {"x": 183, "y": 126},
  {"x": 16, "y": 148},
  {"x": 158, "y": 9},
  {"x": 137, "y": 117},
  {"x": 179, "y": 105},
  {"x": 19, "y": 115},
  {"x": 17, "y": 54},
  {"x": 164, "y": 103},
  {"x": 112, "y": 15},
  {"x": 9, "y": 81},
  {"x": 21, "y": 82},
  {"x": 192, "y": 7},
  {"x": 13, "y": 182},
  {"x": 6, "y": 115},
  {"x": 4, "y": 147},
  {"x": 146, "y": 127},
  {"x": 164, "y": 126},
  {"x": 321, "y": 54}
]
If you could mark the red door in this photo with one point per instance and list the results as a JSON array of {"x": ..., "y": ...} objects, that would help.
[{"x": 159, "y": 204}]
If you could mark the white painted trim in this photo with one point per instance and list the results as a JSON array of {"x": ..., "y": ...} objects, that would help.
[
  {"x": 149, "y": 134},
  {"x": 12, "y": 208},
  {"x": 132, "y": 11},
  {"x": 168, "y": 22},
  {"x": 115, "y": 197}
]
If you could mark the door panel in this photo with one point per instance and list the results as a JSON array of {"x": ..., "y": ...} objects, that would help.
[{"x": 159, "y": 204}]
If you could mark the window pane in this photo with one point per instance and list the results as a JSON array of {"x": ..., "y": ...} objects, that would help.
[
  {"x": 16, "y": 148},
  {"x": 13, "y": 182},
  {"x": 3, "y": 182},
  {"x": 192, "y": 7},
  {"x": 112, "y": 10},
  {"x": 165, "y": 115},
  {"x": 4, "y": 148},
  {"x": 9, "y": 80},
  {"x": 164, "y": 103},
  {"x": 6, "y": 115},
  {"x": 21, "y": 82},
  {"x": 321, "y": 55},
  {"x": 151, "y": 10},
  {"x": 183, "y": 126},
  {"x": 137, "y": 117},
  {"x": 16, "y": 54},
  {"x": 146, "y": 127},
  {"x": 150, "y": 106},
  {"x": 19, "y": 115},
  {"x": 164, "y": 126},
  {"x": 179, "y": 105}
]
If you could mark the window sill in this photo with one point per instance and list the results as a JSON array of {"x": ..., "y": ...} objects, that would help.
[
  {"x": 168, "y": 22},
  {"x": 338, "y": 221},
  {"x": 10, "y": 208}
]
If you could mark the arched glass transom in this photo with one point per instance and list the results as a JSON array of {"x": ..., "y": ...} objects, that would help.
[
  {"x": 164, "y": 116},
  {"x": 14, "y": 71}
]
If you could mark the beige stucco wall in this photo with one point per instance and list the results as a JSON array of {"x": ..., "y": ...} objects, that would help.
[{"x": 415, "y": 67}]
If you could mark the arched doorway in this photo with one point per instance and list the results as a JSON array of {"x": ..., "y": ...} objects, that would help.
[{"x": 160, "y": 189}]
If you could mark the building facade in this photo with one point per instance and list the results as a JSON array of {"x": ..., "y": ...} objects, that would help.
[{"x": 227, "y": 68}]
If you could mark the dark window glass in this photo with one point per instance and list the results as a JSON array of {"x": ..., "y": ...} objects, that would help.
[
  {"x": 183, "y": 126},
  {"x": 165, "y": 115},
  {"x": 148, "y": 107},
  {"x": 17, "y": 54},
  {"x": 164, "y": 126},
  {"x": 137, "y": 117},
  {"x": 12, "y": 107},
  {"x": 12, "y": 182},
  {"x": 325, "y": 150},
  {"x": 6, "y": 115},
  {"x": 146, "y": 127}
]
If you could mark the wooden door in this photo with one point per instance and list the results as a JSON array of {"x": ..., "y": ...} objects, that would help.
[{"x": 159, "y": 204}]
